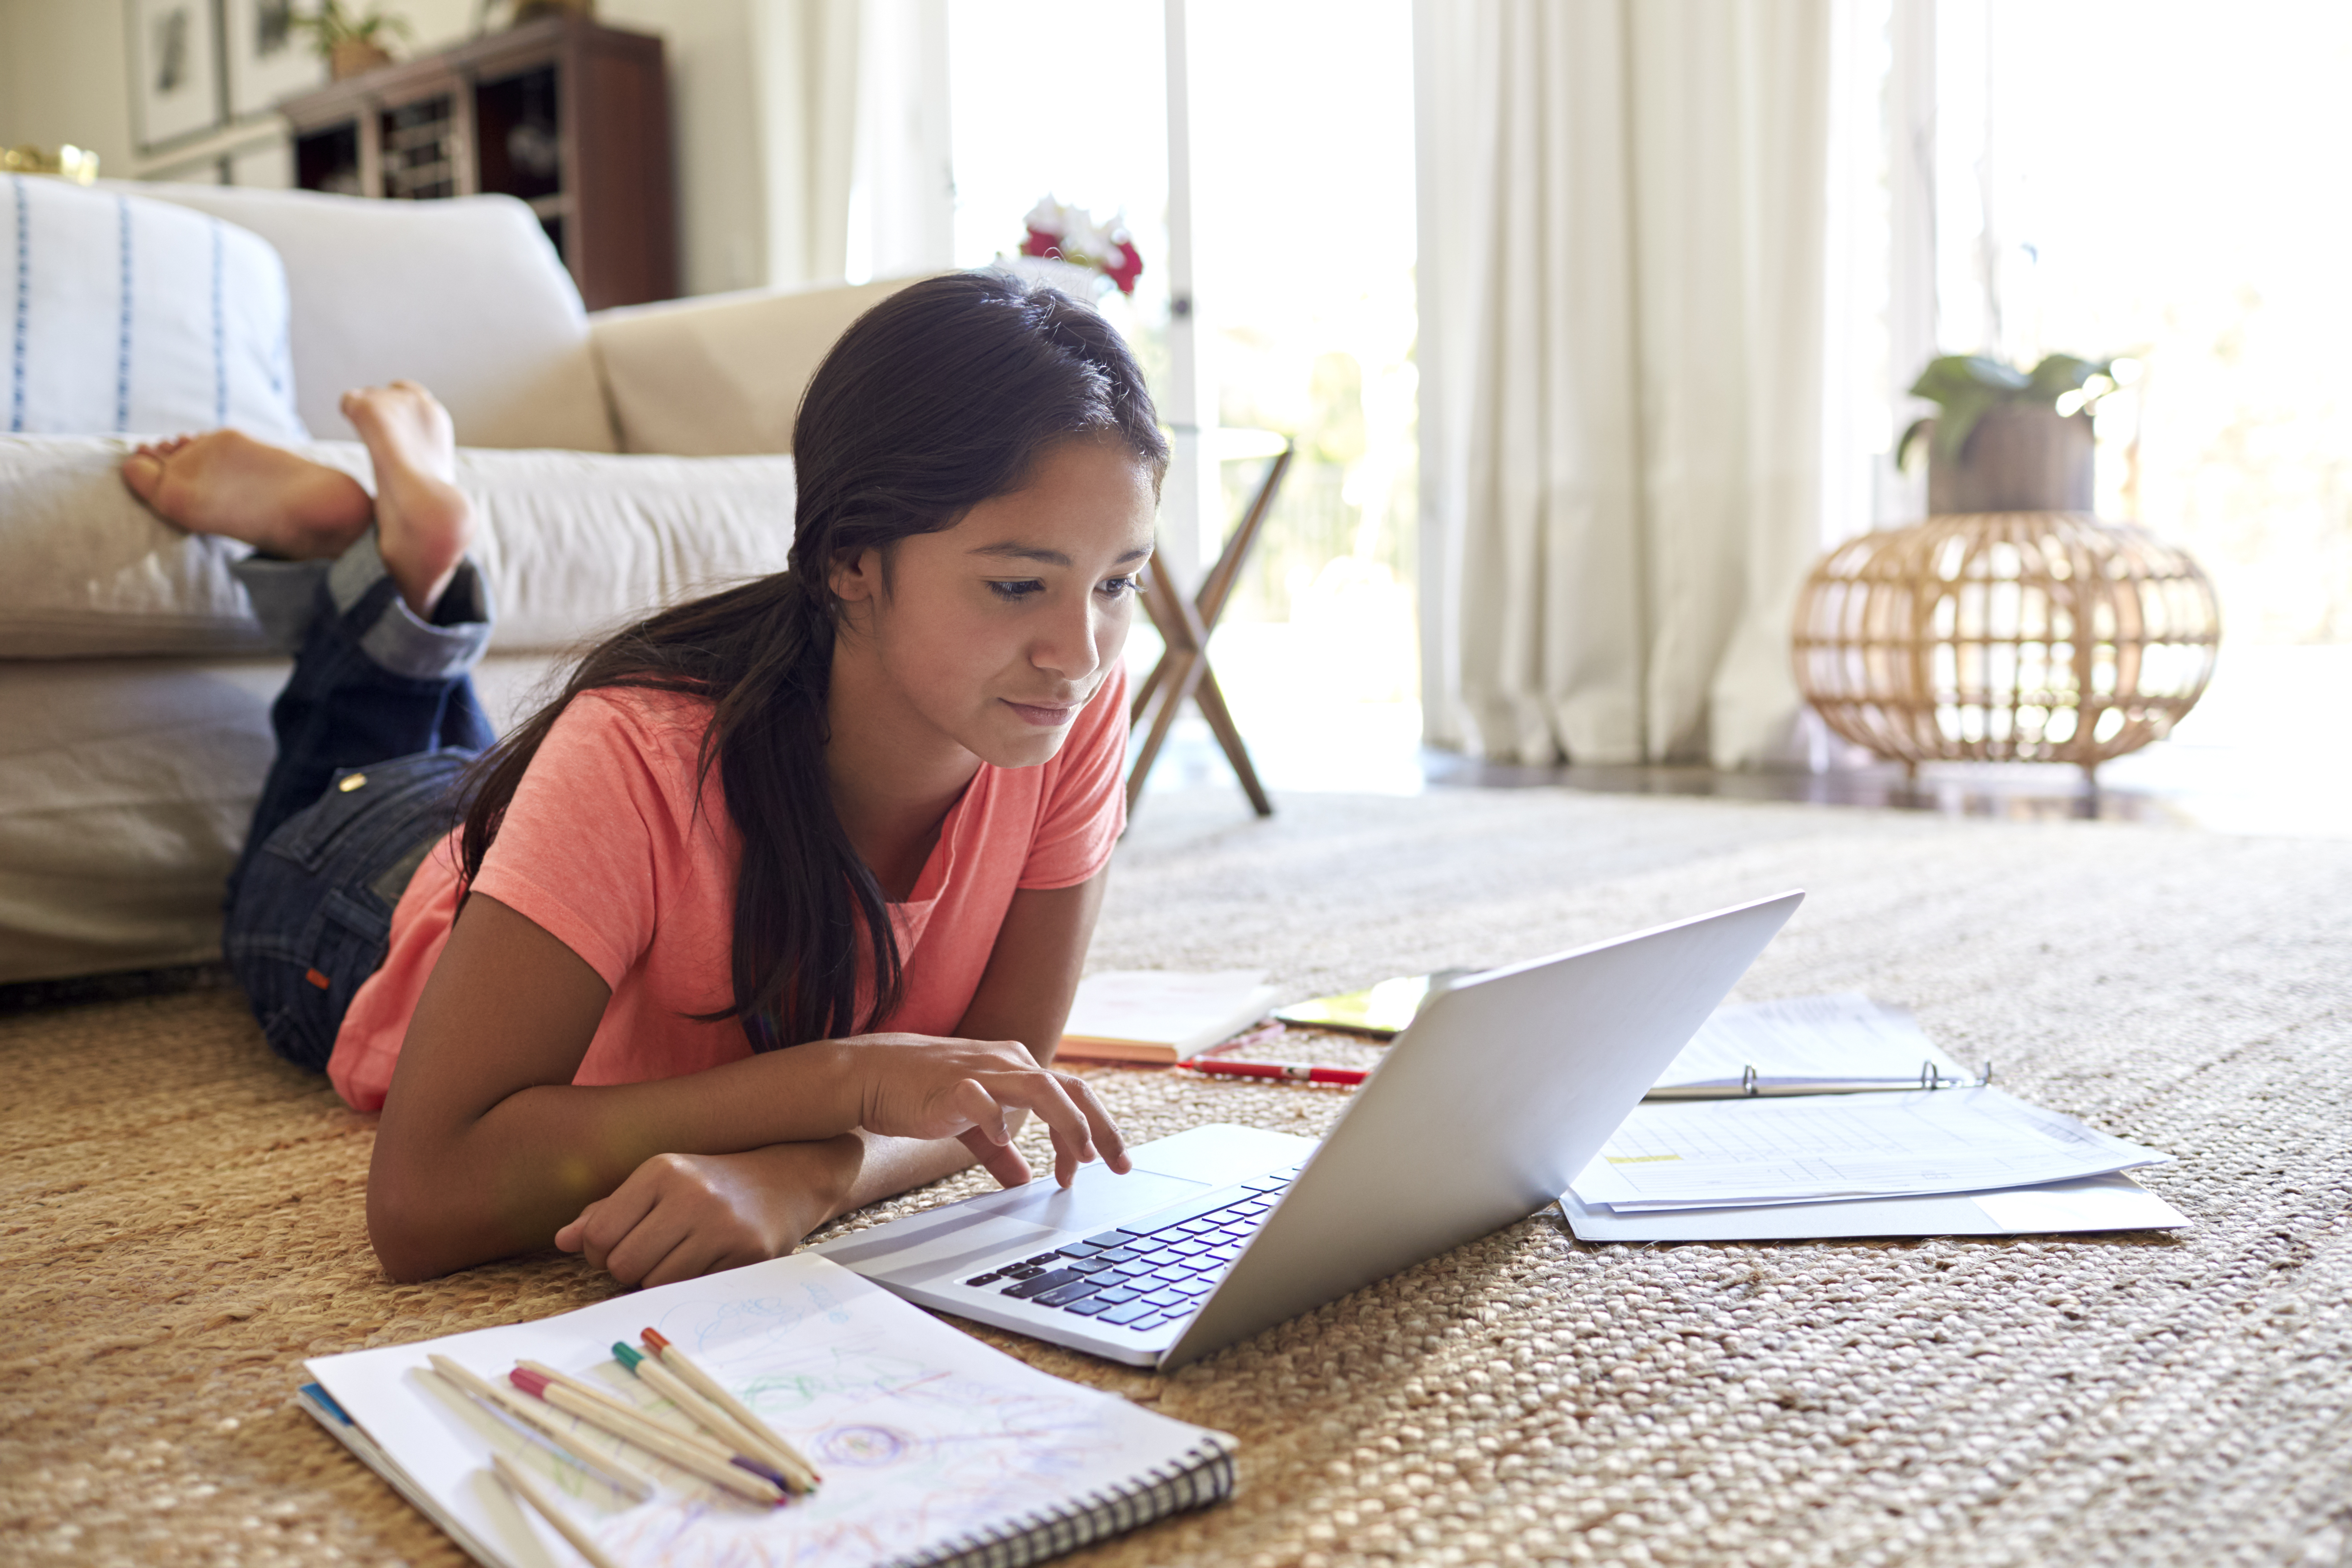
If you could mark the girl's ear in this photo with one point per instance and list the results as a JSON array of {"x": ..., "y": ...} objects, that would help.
[{"x": 856, "y": 575}]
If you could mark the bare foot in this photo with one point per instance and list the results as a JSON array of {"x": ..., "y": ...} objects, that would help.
[
  {"x": 422, "y": 520},
  {"x": 227, "y": 483}
]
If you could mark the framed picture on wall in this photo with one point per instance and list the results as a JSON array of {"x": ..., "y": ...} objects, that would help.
[
  {"x": 268, "y": 58},
  {"x": 175, "y": 75}
]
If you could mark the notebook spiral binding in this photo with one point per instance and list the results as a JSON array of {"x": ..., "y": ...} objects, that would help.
[{"x": 1204, "y": 1474}]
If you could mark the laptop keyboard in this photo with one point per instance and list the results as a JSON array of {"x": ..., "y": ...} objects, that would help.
[{"x": 1138, "y": 1277}]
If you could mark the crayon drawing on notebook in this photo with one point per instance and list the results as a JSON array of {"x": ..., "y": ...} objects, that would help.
[{"x": 926, "y": 1437}]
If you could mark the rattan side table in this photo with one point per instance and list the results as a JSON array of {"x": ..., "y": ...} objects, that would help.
[{"x": 2005, "y": 636}]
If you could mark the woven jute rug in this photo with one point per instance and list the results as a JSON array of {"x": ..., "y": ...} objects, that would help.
[{"x": 183, "y": 1226}]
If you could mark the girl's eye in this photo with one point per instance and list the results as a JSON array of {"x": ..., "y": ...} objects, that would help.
[
  {"x": 1118, "y": 587},
  {"x": 1014, "y": 592}
]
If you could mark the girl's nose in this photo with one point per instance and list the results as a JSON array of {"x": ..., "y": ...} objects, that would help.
[{"x": 1066, "y": 642}]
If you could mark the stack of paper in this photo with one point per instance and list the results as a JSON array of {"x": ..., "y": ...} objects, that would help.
[{"x": 1775, "y": 1162}]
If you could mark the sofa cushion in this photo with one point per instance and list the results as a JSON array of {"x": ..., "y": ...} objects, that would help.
[
  {"x": 125, "y": 788},
  {"x": 724, "y": 373},
  {"x": 466, "y": 296},
  {"x": 572, "y": 541},
  {"x": 119, "y": 314}
]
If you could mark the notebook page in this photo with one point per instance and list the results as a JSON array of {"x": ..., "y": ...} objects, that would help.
[
  {"x": 1720, "y": 1153},
  {"x": 922, "y": 1433},
  {"x": 1841, "y": 1038}
]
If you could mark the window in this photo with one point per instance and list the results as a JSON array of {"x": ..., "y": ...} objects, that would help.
[
  {"x": 2150, "y": 178},
  {"x": 1302, "y": 236}
]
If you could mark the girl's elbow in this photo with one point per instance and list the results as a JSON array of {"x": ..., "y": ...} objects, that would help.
[{"x": 409, "y": 1243}]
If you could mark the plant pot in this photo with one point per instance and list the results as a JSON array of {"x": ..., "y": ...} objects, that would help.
[
  {"x": 355, "y": 56},
  {"x": 2016, "y": 459}
]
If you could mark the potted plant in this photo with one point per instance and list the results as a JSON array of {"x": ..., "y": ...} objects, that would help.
[
  {"x": 351, "y": 39},
  {"x": 2005, "y": 440}
]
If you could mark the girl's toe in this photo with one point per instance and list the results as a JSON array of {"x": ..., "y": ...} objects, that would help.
[{"x": 143, "y": 472}]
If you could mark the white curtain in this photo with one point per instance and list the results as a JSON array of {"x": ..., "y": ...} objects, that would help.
[
  {"x": 808, "y": 80},
  {"x": 854, "y": 136},
  {"x": 1622, "y": 208},
  {"x": 902, "y": 199}
]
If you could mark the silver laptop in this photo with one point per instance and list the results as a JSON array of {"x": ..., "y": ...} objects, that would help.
[{"x": 1479, "y": 1114}]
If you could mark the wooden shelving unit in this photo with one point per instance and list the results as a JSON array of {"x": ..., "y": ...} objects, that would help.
[{"x": 569, "y": 116}]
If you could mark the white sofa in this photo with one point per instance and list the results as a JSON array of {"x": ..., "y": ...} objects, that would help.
[{"x": 624, "y": 460}]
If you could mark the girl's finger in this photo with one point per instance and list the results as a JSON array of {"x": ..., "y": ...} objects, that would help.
[
  {"x": 604, "y": 1223},
  {"x": 999, "y": 1160},
  {"x": 973, "y": 1104},
  {"x": 1107, "y": 1140},
  {"x": 1042, "y": 1093},
  {"x": 649, "y": 1241},
  {"x": 692, "y": 1257},
  {"x": 588, "y": 1238}
]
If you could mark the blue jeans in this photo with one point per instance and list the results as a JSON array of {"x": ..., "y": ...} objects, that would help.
[{"x": 373, "y": 728}]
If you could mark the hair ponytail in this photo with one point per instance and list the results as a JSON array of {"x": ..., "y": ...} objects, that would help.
[{"x": 943, "y": 396}]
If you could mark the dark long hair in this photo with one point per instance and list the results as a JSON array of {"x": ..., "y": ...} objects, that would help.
[{"x": 943, "y": 396}]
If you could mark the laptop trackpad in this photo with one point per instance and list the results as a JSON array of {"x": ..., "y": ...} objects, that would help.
[{"x": 943, "y": 1239}]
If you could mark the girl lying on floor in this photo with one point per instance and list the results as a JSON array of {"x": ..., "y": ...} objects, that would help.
[{"x": 778, "y": 909}]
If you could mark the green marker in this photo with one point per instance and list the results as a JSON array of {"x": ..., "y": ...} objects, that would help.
[{"x": 662, "y": 1381}]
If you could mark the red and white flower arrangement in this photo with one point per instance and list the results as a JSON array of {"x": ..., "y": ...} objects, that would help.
[{"x": 1058, "y": 233}]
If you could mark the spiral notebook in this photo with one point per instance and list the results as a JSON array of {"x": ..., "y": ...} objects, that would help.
[{"x": 935, "y": 1448}]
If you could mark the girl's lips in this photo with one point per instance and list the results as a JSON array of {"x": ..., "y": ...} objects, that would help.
[{"x": 1045, "y": 718}]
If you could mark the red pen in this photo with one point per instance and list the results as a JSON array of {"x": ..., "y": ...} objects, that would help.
[{"x": 1290, "y": 1072}]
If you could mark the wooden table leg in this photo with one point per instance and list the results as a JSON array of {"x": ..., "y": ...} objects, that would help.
[
  {"x": 1184, "y": 670},
  {"x": 1212, "y": 699},
  {"x": 1173, "y": 679}
]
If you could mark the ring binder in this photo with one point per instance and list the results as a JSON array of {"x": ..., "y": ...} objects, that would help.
[
  {"x": 1753, "y": 1084},
  {"x": 1839, "y": 1044}
]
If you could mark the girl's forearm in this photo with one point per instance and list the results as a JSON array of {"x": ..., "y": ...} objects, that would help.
[
  {"x": 885, "y": 1167},
  {"x": 504, "y": 1182},
  {"x": 487, "y": 1149}
]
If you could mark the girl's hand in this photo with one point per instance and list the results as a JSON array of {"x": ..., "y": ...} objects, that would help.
[
  {"x": 920, "y": 1086},
  {"x": 680, "y": 1216}
]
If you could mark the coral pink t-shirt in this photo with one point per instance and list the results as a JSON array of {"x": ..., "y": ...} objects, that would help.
[{"x": 603, "y": 847}]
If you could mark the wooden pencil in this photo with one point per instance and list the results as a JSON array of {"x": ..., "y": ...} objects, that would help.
[
  {"x": 523, "y": 1487},
  {"x": 678, "y": 1361},
  {"x": 629, "y": 1480},
  {"x": 723, "y": 1447},
  {"x": 696, "y": 1457},
  {"x": 719, "y": 1422},
  {"x": 581, "y": 1386}
]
